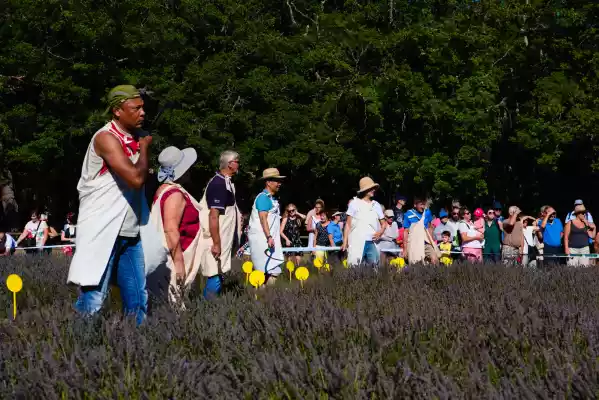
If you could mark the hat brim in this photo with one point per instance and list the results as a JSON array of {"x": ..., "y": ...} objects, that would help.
[
  {"x": 375, "y": 186},
  {"x": 265, "y": 178},
  {"x": 189, "y": 158}
]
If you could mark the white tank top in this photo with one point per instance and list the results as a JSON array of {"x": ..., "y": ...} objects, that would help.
[{"x": 95, "y": 166}]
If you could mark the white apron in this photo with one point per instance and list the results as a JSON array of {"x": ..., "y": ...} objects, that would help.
[
  {"x": 363, "y": 225},
  {"x": 258, "y": 242},
  {"x": 191, "y": 255},
  {"x": 416, "y": 238},
  {"x": 102, "y": 210},
  {"x": 228, "y": 226}
]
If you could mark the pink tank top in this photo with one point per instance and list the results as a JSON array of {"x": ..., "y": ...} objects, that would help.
[{"x": 190, "y": 221}]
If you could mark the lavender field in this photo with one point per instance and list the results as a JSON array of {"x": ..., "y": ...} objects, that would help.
[{"x": 462, "y": 332}]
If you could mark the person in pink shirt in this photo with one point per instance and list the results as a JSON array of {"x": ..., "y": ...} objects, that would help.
[{"x": 479, "y": 220}]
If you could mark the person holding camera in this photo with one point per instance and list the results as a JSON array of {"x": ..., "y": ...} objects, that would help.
[{"x": 552, "y": 232}]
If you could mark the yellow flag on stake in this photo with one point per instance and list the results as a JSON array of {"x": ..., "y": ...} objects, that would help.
[{"x": 14, "y": 284}]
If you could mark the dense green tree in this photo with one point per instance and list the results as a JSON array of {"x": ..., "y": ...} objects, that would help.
[{"x": 468, "y": 99}]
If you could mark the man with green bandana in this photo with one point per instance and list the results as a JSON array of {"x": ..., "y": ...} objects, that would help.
[{"x": 113, "y": 211}]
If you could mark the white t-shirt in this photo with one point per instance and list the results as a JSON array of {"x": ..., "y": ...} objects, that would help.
[
  {"x": 36, "y": 229},
  {"x": 352, "y": 210},
  {"x": 469, "y": 229},
  {"x": 529, "y": 238},
  {"x": 10, "y": 242}
]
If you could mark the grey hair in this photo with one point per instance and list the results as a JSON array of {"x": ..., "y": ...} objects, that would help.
[{"x": 226, "y": 157}]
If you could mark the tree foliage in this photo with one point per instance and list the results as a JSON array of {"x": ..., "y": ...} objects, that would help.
[{"x": 468, "y": 99}]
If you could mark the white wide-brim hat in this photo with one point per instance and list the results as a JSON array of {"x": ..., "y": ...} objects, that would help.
[{"x": 174, "y": 162}]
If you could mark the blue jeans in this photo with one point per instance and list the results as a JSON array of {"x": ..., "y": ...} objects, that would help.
[
  {"x": 213, "y": 287},
  {"x": 370, "y": 256},
  {"x": 127, "y": 258}
]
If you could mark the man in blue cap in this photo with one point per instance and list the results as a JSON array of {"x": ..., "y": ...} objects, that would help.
[
  {"x": 443, "y": 227},
  {"x": 400, "y": 202}
]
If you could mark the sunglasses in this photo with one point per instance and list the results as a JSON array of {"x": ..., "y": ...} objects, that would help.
[
  {"x": 491, "y": 213},
  {"x": 293, "y": 210},
  {"x": 466, "y": 212},
  {"x": 455, "y": 213}
]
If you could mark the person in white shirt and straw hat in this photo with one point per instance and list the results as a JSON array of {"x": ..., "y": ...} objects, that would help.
[
  {"x": 364, "y": 225},
  {"x": 264, "y": 229},
  {"x": 176, "y": 213}
]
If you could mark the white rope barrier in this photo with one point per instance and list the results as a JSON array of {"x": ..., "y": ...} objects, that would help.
[{"x": 337, "y": 248}]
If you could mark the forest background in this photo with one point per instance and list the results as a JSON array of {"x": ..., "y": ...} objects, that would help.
[{"x": 473, "y": 100}]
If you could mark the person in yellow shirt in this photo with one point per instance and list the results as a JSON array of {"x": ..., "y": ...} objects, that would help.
[{"x": 445, "y": 247}]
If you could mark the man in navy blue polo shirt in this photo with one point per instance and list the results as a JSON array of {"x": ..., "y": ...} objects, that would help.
[
  {"x": 400, "y": 202},
  {"x": 219, "y": 221},
  {"x": 552, "y": 230}
]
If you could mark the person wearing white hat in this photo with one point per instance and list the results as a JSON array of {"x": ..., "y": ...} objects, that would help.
[
  {"x": 220, "y": 221},
  {"x": 176, "y": 214},
  {"x": 365, "y": 224},
  {"x": 265, "y": 227},
  {"x": 387, "y": 244}
]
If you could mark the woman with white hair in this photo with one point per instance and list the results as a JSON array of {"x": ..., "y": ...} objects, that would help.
[{"x": 176, "y": 213}]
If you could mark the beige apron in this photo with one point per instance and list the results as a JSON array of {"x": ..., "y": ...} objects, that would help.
[
  {"x": 227, "y": 222},
  {"x": 190, "y": 255},
  {"x": 416, "y": 238}
]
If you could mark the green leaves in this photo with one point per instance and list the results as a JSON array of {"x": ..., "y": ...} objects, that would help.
[{"x": 424, "y": 96}]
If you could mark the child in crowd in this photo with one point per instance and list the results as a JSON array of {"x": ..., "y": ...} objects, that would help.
[
  {"x": 479, "y": 220},
  {"x": 445, "y": 247}
]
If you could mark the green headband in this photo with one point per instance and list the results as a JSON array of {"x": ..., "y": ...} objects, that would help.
[{"x": 120, "y": 94}]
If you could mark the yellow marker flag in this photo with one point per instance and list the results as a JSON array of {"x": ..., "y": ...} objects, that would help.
[
  {"x": 247, "y": 267},
  {"x": 14, "y": 284},
  {"x": 257, "y": 278},
  {"x": 290, "y": 267},
  {"x": 301, "y": 274}
]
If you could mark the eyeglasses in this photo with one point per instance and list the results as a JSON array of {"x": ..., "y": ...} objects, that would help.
[
  {"x": 291, "y": 210},
  {"x": 455, "y": 213},
  {"x": 491, "y": 213},
  {"x": 466, "y": 212}
]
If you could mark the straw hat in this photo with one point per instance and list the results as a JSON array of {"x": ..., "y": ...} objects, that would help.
[
  {"x": 366, "y": 184},
  {"x": 580, "y": 208},
  {"x": 271, "y": 173}
]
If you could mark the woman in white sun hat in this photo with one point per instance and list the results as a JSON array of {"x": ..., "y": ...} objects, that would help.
[
  {"x": 387, "y": 244},
  {"x": 365, "y": 224},
  {"x": 265, "y": 227},
  {"x": 176, "y": 213}
]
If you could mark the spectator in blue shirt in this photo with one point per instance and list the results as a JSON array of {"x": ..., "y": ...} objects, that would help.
[
  {"x": 552, "y": 231},
  {"x": 335, "y": 230}
]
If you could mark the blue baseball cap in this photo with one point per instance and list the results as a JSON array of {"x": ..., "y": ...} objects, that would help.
[
  {"x": 497, "y": 205},
  {"x": 399, "y": 197},
  {"x": 443, "y": 213}
]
